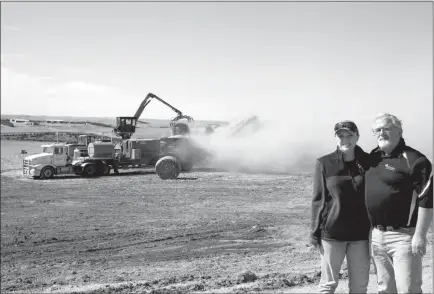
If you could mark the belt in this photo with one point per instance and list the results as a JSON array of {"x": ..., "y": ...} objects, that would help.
[{"x": 387, "y": 228}]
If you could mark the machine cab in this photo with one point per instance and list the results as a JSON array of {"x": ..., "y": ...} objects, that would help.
[
  {"x": 86, "y": 139},
  {"x": 125, "y": 126}
]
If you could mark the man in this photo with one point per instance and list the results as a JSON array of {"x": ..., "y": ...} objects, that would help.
[{"x": 399, "y": 199}]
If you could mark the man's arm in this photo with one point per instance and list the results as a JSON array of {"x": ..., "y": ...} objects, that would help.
[
  {"x": 424, "y": 220},
  {"x": 418, "y": 242},
  {"x": 424, "y": 189}
]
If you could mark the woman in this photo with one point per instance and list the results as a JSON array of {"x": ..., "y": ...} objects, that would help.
[{"x": 340, "y": 224}]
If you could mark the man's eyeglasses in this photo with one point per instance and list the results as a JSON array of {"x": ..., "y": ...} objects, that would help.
[{"x": 377, "y": 131}]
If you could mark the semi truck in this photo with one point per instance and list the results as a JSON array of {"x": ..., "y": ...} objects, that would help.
[
  {"x": 91, "y": 156},
  {"x": 169, "y": 156}
]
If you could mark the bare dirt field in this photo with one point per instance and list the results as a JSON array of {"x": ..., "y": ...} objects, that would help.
[{"x": 207, "y": 231}]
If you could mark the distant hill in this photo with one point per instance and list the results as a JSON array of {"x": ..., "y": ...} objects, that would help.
[
  {"x": 106, "y": 120},
  {"x": 146, "y": 128}
]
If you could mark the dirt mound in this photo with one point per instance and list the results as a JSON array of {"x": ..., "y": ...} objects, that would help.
[{"x": 246, "y": 277}]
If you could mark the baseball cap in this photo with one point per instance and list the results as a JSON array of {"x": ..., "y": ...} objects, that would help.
[{"x": 346, "y": 125}]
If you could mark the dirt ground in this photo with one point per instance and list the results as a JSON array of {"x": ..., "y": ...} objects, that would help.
[{"x": 207, "y": 231}]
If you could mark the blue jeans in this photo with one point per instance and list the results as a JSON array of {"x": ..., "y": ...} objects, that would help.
[
  {"x": 398, "y": 270},
  {"x": 358, "y": 262}
]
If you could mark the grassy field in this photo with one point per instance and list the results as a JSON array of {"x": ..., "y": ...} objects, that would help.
[
  {"x": 207, "y": 231},
  {"x": 11, "y": 157}
]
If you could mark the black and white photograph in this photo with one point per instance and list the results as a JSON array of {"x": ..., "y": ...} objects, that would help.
[{"x": 216, "y": 146}]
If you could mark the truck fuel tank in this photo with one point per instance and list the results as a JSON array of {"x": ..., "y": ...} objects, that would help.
[{"x": 101, "y": 150}]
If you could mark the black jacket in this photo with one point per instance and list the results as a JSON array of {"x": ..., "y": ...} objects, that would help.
[
  {"x": 338, "y": 204},
  {"x": 396, "y": 185}
]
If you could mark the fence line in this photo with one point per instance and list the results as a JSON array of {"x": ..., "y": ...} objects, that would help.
[{"x": 69, "y": 137}]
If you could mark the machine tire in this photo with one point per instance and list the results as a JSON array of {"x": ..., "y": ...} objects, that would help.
[
  {"x": 168, "y": 168},
  {"x": 89, "y": 170},
  {"x": 47, "y": 173}
]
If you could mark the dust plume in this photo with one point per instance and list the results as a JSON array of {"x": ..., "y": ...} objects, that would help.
[{"x": 252, "y": 145}]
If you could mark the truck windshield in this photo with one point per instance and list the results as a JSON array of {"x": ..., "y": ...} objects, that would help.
[{"x": 48, "y": 149}]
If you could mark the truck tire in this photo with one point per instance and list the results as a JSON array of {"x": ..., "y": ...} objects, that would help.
[
  {"x": 168, "y": 168},
  {"x": 105, "y": 169},
  {"x": 47, "y": 173},
  {"x": 89, "y": 170},
  {"x": 77, "y": 169}
]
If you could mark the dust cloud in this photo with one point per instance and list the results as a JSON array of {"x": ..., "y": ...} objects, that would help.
[{"x": 273, "y": 146}]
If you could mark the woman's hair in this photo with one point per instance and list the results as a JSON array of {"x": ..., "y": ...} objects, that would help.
[{"x": 389, "y": 118}]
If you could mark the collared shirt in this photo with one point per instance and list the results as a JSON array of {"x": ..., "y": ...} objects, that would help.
[{"x": 396, "y": 185}]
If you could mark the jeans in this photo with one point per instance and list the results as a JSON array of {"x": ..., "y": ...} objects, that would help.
[
  {"x": 398, "y": 270},
  {"x": 358, "y": 262}
]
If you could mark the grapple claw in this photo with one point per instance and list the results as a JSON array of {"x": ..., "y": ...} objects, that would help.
[{"x": 181, "y": 116}]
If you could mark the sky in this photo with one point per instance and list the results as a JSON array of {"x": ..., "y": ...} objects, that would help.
[{"x": 304, "y": 65}]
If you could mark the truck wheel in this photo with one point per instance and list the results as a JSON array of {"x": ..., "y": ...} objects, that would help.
[
  {"x": 168, "y": 168},
  {"x": 89, "y": 170},
  {"x": 77, "y": 170},
  {"x": 105, "y": 170},
  {"x": 47, "y": 173}
]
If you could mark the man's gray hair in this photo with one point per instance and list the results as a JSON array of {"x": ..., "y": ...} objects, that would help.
[{"x": 389, "y": 118}]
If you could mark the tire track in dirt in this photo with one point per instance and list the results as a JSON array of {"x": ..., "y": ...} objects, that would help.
[
  {"x": 245, "y": 282},
  {"x": 149, "y": 242},
  {"x": 165, "y": 237}
]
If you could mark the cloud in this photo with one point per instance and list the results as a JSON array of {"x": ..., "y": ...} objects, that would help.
[
  {"x": 20, "y": 92},
  {"x": 23, "y": 93}
]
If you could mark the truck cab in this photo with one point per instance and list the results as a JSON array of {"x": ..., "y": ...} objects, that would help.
[{"x": 54, "y": 159}]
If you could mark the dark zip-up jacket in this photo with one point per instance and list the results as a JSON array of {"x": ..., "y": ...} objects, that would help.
[
  {"x": 338, "y": 203},
  {"x": 396, "y": 185}
]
